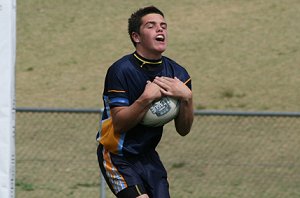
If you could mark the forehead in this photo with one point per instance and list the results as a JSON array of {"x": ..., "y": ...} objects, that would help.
[{"x": 153, "y": 18}]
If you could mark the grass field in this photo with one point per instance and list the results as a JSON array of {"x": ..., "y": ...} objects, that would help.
[
  {"x": 242, "y": 55},
  {"x": 223, "y": 157}
]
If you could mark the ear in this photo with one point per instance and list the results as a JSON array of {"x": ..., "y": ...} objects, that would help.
[{"x": 136, "y": 37}]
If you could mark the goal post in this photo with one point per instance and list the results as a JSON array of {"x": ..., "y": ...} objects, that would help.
[{"x": 7, "y": 97}]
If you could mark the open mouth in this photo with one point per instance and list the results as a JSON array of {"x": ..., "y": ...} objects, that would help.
[{"x": 160, "y": 38}]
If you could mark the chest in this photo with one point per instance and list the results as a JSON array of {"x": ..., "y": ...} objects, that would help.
[{"x": 136, "y": 81}]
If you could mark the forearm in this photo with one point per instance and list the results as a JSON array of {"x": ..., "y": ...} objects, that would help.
[
  {"x": 184, "y": 120},
  {"x": 125, "y": 118}
]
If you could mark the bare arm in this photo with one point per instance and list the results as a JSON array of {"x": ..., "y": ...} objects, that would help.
[
  {"x": 175, "y": 88},
  {"x": 125, "y": 118},
  {"x": 184, "y": 120}
]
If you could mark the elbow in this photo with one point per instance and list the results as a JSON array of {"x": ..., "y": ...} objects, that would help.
[
  {"x": 119, "y": 128},
  {"x": 183, "y": 132},
  {"x": 183, "y": 127}
]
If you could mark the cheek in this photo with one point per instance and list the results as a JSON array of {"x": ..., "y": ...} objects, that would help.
[{"x": 148, "y": 40}]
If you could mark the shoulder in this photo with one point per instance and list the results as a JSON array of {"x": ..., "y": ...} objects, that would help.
[
  {"x": 121, "y": 66},
  {"x": 178, "y": 69},
  {"x": 174, "y": 64},
  {"x": 121, "y": 63}
]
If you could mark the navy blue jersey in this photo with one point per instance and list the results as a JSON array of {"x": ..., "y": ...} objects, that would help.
[{"x": 124, "y": 83}]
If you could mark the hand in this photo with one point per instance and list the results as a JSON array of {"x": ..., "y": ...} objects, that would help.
[
  {"x": 173, "y": 87},
  {"x": 152, "y": 91}
]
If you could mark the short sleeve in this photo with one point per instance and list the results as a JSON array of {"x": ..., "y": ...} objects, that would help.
[{"x": 116, "y": 87}]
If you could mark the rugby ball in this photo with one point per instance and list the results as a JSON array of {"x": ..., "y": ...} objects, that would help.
[{"x": 161, "y": 112}]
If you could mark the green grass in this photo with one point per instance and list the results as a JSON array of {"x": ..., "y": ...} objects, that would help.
[
  {"x": 24, "y": 186},
  {"x": 249, "y": 47},
  {"x": 242, "y": 55},
  {"x": 228, "y": 157}
]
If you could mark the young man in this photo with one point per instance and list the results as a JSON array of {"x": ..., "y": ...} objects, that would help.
[{"x": 126, "y": 152}]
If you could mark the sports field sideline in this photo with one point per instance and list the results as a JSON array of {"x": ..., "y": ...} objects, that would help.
[{"x": 243, "y": 55}]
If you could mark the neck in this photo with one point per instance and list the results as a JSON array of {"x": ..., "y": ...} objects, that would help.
[
  {"x": 144, "y": 61},
  {"x": 150, "y": 56}
]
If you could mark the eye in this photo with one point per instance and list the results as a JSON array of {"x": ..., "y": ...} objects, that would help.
[
  {"x": 149, "y": 25},
  {"x": 164, "y": 26}
]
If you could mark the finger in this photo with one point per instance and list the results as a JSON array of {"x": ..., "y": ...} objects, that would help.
[
  {"x": 177, "y": 79},
  {"x": 165, "y": 92},
  {"x": 165, "y": 79},
  {"x": 162, "y": 84}
]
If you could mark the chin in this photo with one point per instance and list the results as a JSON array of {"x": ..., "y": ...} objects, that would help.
[{"x": 161, "y": 50}]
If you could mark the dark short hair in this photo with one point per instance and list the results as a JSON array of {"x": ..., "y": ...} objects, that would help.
[{"x": 135, "y": 21}]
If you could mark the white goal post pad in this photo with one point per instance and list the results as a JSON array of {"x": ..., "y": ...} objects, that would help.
[{"x": 7, "y": 97}]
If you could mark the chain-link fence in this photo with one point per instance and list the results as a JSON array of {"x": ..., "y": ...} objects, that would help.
[{"x": 226, "y": 155}]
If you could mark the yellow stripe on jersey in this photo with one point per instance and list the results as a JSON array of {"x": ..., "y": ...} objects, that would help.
[
  {"x": 116, "y": 91},
  {"x": 147, "y": 62},
  {"x": 187, "y": 81}
]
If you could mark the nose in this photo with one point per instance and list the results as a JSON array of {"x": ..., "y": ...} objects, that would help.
[{"x": 159, "y": 29}]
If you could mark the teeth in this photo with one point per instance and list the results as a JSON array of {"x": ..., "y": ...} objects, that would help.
[{"x": 160, "y": 37}]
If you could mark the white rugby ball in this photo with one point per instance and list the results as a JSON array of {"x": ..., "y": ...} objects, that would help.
[{"x": 161, "y": 112}]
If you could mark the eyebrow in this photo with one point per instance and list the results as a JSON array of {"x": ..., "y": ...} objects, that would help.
[{"x": 153, "y": 22}]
